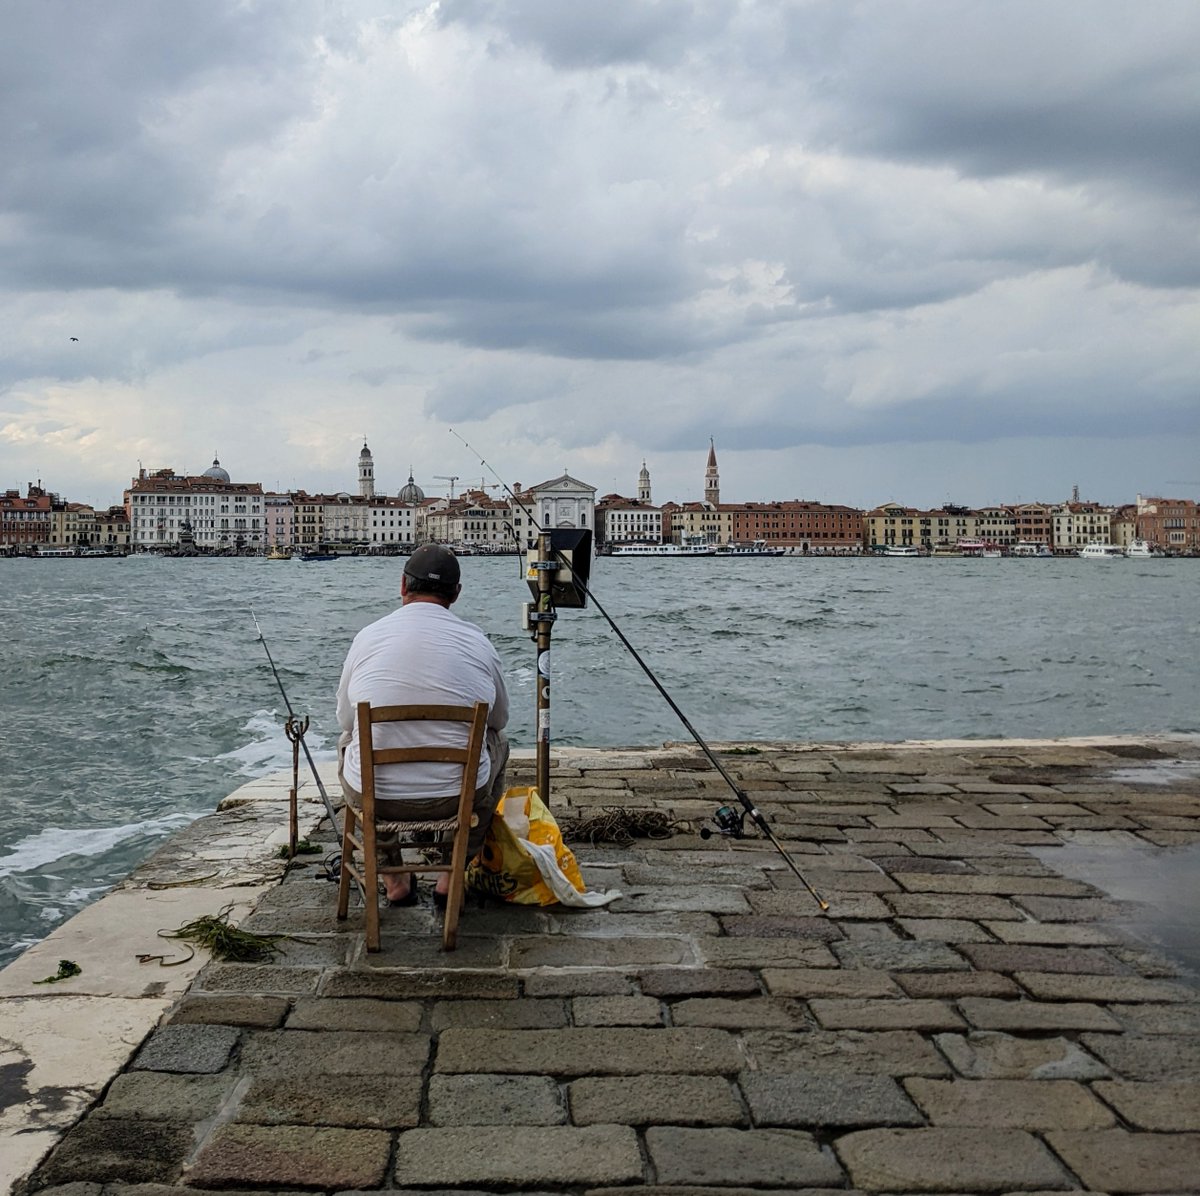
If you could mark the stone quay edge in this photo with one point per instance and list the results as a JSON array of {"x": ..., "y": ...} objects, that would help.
[{"x": 975, "y": 1013}]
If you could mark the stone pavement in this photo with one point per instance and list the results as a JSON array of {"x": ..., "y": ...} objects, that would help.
[{"x": 966, "y": 1019}]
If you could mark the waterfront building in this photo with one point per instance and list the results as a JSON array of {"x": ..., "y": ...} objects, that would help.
[
  {"x": 1077, "y": 524},
  {"x": 621, "y": 520},
  {"x": 112, "y": 529},
  {"x": 72, "y": 525},
  {"x": 220, "y": 513},
  {"x": 810, "y": 527},
  {"x": 346, "y": 519},
  {"x": 308, "y": 521},
  {"x": 397, "y": 522},
  {"x": 25, "y": 522},
  {"x": 472, "y": 520},
  {"x": 1123, "y": 525},
  {"x": 561, "y": 502},
  {"x": 996, "y": 526},
  {"x": 1033, "y": 523},
  {"x": 279, "y": 515},
  {"x": 1172, "y": 524},
  {"x": 696, "y": 523},
  {"x": 894, "y": 525}
]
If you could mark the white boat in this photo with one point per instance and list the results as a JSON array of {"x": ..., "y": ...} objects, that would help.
[
  {"x": 671, "y": 550},
  {"x": 901, "y": 550},
  {"x": 1031, "y": 548},
  {"x": 758, "y": 548},
  {"x": 1141, "y": 549},
  {"x": 1096, "y": 551},
  {"x": 991, "y": 552}
]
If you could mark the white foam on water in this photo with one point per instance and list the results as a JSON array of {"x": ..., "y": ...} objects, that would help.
[
  {"x": 269, "y": 750},
  {"x": 56, "y": 843}
]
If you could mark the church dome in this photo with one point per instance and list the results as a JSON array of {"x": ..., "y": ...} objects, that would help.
[
  {"x": 411, "y": 492},
  {"x": 215, "y": 472}
]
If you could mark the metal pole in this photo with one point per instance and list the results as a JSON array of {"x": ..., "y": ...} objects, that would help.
[{"x": 545, "y": 576}]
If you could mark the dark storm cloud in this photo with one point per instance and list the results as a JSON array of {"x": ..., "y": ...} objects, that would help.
[
  {"x": 589, "y": 34},
  {"x": 782, "y": 222},
  {"x": 1098, "y": 90}
]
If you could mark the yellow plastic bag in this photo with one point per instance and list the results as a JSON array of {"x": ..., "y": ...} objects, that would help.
[{"x": 524, "y": 859}]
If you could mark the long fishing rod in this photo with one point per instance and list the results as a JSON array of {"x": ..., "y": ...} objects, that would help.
[
  {"x": 308, "y": 755},
  {"x": 753, "y": 812}
]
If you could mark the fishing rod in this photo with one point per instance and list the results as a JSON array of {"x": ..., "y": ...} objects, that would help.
[
  {"x": 303, "y": 743},
  {"x": 729, "y": 821}
]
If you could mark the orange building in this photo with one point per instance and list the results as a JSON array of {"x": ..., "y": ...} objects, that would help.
[
  {"x": 25, "y": 522},
  {"x": 1172, "y": 524}
]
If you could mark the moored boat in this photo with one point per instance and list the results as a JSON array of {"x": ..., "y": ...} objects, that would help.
[
  {"x": 1098, "y": 551},
  {"x": 1031, "y": 548},
  {"x": 758, "y": 548},
  {"x": 1141, "y": 550},
  {"x": 667, "y": 550}
]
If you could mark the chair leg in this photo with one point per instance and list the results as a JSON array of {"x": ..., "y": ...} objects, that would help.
[
  {"x": 348, "y": 820},
  {"x": 456, "y": 889},
  {"x": 370, "y": 883}
]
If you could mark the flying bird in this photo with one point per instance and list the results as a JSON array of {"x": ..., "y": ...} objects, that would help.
[{"x": 74, "y": 338}]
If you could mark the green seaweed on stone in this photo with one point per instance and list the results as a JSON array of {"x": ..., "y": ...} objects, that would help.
[
  {"x": 227, "y": 943},
  {"x": 304, "y": 847},
  {"x": 66, "y": 969}
]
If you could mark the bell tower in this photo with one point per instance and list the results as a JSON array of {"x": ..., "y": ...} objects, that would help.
[
  {"x": 712, "y": 479},
  {"x": 644, "y": 485},
  {"x": 366, "y": 472}
]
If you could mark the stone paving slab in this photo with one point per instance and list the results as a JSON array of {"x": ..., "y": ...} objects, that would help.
[
  {"x": 964, "y": 1019},
  {"x": 297, "y": 1156},
  {"x": 602, "y": 1154},
  {"x": 1036, "y": 1105},
  {"x": 949, "y": 1160},
  {"x": 1119, "y": 1161}
]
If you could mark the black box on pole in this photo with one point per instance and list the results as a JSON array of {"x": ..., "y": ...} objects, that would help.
[{"x": 567, "y": 585}]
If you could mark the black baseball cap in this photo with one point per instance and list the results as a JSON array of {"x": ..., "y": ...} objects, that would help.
[{"x": 433, "y": 562}]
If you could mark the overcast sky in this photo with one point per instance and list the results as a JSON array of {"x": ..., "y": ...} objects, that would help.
[{"x": 911, "y": 250}]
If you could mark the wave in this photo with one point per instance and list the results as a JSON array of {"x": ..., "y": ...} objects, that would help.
[
  {"x": 270, "y": 749},
  {"x": 57, "y": 843}
]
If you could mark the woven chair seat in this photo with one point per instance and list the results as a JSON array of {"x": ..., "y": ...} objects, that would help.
[{"x": 439, "y": 826}]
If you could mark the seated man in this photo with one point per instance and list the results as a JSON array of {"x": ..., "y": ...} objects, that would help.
[{"x": 423, "y": 653}]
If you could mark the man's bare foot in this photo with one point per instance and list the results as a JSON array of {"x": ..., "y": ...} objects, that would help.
[{"x": 397, "y": 888}]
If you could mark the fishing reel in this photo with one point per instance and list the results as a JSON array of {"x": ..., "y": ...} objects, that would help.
[{"x": 729, "y": 822}]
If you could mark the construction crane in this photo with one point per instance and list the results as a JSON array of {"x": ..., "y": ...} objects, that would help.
[{"x": 448, "y": 477}]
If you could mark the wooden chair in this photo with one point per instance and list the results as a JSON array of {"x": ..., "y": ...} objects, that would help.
[{"x": 459, "y": 826}]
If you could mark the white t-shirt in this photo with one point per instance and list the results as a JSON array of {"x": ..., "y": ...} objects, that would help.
[{"x": 420, "y": 653}]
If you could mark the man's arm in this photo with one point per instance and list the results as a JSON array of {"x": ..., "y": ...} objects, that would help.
[
  {"x": 498, "y": 715},
  {"x": 345, "y": 711}
]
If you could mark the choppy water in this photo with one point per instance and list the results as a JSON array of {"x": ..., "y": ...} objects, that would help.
[{"x": 135, "y": 694}]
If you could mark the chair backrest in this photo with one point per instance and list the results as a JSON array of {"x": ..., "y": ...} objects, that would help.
[{"x": 372, "y": 757}]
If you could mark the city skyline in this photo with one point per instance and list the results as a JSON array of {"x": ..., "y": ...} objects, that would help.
[
  {"x": 927, "y": 252},
  {"x": 441, "y": 486}
]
